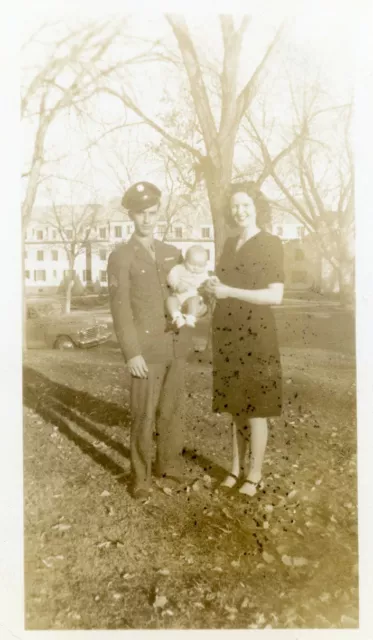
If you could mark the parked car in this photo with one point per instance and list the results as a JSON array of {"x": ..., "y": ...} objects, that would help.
[{"x": 47, "y": 328}]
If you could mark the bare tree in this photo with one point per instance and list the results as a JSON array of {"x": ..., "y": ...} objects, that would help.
[
  {"x": 213, "y": 162},
  {"x": 75, "y": 227},
  {"x": 314, "y": 175}
]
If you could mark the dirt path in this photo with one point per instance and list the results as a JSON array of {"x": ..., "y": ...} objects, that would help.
[{"x": 97, "y": 559}]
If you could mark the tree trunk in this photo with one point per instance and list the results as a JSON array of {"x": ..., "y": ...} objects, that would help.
[
  {"x": 217, "y": 183},
  {"x": 346, "y": 282},
  {"x": 67, "y": 301}
]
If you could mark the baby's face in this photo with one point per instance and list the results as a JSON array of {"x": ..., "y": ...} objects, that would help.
[{"x": 196, "y": 264}]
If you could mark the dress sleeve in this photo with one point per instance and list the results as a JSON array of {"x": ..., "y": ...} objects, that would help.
[{"x": 275, "y": 261}]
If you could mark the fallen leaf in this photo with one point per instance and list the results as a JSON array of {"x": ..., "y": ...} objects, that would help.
[
  {"x": 105, "y": 494},
  {"x": 167, "y": 491},
  {"x": 117, "y": 596},
  {"x": 244, "y": 603},
  {"x": 268, "y": 508},
  {"x": 260, "y": 618},
  {"x": 235, "y": 564},
  {"x": 230, "y": 609},
  {"x": 196, "y": 486},
  {"x": 104, "y": 545},
  {"x": 167, "y": 612},
  {"x": 347, "y": 621},
  {"x": 292, "y": 494},
  {"x": 299, "y": 562},
  {"x": 199, "y": 605},
  {"x": 265, "y": 525},
  {"x": 286, "y": 560},
  {"x": 267, "y": 557},
  {"x": 227, "y": 514},
  {"x": 325, "y": 597},
  {"x": 163, "y": 572},
  {"x": 160, "y": 602},
  {"x": 61, "y": 527}
]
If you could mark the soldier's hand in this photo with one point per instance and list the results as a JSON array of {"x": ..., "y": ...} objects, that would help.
[{"x": 137, "y": 367}]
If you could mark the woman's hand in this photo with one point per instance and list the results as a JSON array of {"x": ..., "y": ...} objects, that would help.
[{"x": 220, "y": 291}]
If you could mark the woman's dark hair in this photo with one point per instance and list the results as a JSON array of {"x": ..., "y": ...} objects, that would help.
[{"x": 261, "y": 204}]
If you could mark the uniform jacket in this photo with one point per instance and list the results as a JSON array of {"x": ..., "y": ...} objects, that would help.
[{"x": 138, "y": 290}]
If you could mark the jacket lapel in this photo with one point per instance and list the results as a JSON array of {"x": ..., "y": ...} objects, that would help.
[{"x": 140, "y": 251}]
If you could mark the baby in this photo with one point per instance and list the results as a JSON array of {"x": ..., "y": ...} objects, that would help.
[{"x": 185, "y": 280}]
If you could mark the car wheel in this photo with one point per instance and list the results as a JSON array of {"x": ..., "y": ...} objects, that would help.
[{"x": 64, "y": 343}]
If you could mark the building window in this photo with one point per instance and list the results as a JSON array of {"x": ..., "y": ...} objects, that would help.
[
  {"x": 39, "y": 234},
  {"x": 280, "y": 231},
  {"x": 40, "y": 256},
  {"x": 68, "y": 233},
  {"x": 103, "y": 276},
  {"x": 102, "y": 254},
  {"x": 206, "y": 232},
  {"x": 69, "y": 273},
  {"x": 299, "y": 277},
  {"x": 27, "y": 274},
  {"x": 55, "y": 255},
  {"x": 118, "y": 232},
  {"x": 208, "y": 254},
  {"x": 129, "y": 229},
  {"x": 299, "y": 254},
  {"x": 87, "y": 275},
  {"x": 54, "y": 274},
  {"x": 178, "y": 232},
  {"x": 162, "y": 229},
  {"x": 102, "y": 233},
  {"x": 54, "y": 234},
  {"x": 300, "y": 232},
  {"x": 40, "y": 275}
]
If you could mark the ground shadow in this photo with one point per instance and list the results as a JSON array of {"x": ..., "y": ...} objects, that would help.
[
  {"x": 65, "y": 407},
  {"x": 210, "y": 467}
]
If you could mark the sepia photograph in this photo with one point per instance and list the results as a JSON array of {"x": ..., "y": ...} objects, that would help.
[{"x": 189, "y": 319}]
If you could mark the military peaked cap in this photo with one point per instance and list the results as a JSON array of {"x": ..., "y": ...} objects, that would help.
[{"x": 140, "y": 196}]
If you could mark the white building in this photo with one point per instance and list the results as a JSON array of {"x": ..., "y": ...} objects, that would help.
[{"x": 46, "y": 247}]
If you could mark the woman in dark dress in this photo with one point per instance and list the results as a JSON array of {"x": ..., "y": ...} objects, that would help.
[{"x": 247, "y": 378}]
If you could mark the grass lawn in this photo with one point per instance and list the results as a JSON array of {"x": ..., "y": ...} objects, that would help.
[{"x": 96, "y": 559}]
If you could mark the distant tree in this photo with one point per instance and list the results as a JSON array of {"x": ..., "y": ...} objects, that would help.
[
  {"x": 313, "y": 175},
  {"x": 75, "y": 229}
]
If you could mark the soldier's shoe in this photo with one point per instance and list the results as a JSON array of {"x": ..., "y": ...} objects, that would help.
[{"x": 140, "y": 493}]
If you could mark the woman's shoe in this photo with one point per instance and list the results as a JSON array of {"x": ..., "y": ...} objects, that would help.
[
  {"x": 225, "y": 488},
  {"x": 249, "y": 489}
]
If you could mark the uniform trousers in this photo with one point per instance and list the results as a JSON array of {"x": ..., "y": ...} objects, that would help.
[{"x": 157, "y": 402}]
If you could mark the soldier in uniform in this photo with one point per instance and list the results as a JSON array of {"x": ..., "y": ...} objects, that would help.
[{"x": 154, "y": 352}]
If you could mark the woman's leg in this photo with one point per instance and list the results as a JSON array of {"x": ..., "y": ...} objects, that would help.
[
  {"x": 239, "y": 448},
  {"x": 259, "y": 437}
]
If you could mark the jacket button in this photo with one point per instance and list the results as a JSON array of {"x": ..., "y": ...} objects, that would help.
[{"x": 146, "y": 331}]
